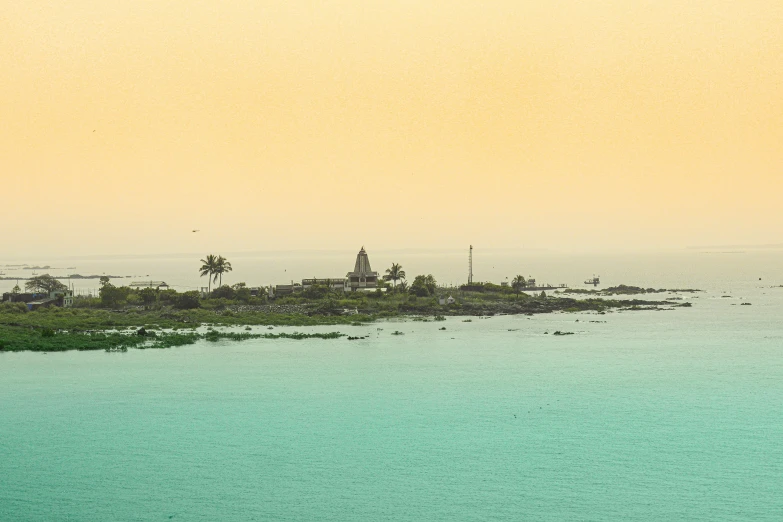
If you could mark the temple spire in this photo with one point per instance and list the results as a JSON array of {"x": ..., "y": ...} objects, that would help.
[{"x": 362, "y": 276}]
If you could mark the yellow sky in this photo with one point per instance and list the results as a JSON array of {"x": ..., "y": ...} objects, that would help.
[{"x": 282, "y": 124}]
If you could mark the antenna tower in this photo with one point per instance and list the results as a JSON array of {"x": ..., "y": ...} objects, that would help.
[{"x": 470, "y": 266}]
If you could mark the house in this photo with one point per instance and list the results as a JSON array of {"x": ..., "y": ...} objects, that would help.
[
  {"x": 287, "y": 289},
  {"x": 61, "y": 298},
  {"x": 362, "y": 278},
  {"x": 23, "y": 298},
  {"x": 335, "y": 283}
]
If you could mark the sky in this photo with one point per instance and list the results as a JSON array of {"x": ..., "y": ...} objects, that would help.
[{"x": 567, "y": 125}]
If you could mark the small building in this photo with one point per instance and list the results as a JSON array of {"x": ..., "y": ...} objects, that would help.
[
  {"x": 23, "y": 298},
  {"x": 362, "y": 278},
  {"x": 157, "y": 285},
  {"x": 64, "y": 298},
  {"x": 334, "y": 283},
  {"x": 61, "y": 298},
  {"x": 446, "y": 300},
  {"x": 286, "y": 289}
]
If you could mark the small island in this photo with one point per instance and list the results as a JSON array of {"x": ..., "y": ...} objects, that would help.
[{"x": 48, "y": 317}]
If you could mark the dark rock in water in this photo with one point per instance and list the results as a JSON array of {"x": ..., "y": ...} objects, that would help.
[
  {"x": 141, "y": 331},
  {"x": 563, "y": 333},
  {"x": 443, "y": 328},
  {"x": 744, "y": 304}
]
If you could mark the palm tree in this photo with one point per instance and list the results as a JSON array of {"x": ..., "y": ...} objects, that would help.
[
  {"x": 209, "y": 268},
  {"x": 518, "y": 283},
  {"x": 222, "y": 267},
  {"x": 395, "y": 273}
]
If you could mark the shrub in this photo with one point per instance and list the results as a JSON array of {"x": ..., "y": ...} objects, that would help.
[
  {"x": 188, "y": 300},
  {"x": 13, "y": 308},
  {"x": 224, "y": 292}
]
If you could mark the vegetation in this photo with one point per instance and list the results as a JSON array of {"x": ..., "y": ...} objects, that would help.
[
  {"x": 424, "y": 286},
  {"x": 518, "y": 283},
  {"x": 209, "y": 269},
  {"x": 394, "y": 274},
  {"x": 15, "y": 338},
  {"x": 214, "y": 267},
  {"x": 43, "y": 284},
  {"x": 222, "y": 267}
]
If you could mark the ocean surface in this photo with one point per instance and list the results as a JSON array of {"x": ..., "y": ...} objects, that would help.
[{"x": 645, "y": 415}]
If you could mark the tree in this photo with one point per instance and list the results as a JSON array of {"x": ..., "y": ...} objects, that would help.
[
  {"x": 148, "y": 296},
  {"x": 103, "y": 280},
  {"x": 112, "y": 296},
  {"x": 222, "y": 292},
  {"x": 222, "y": 267},
  {"x": 16, "y": 289},
  {"x": 44, "y": 284},
  {"x": 395, "y": 273},
  {"x": 518, "y": 283},
  {"x": 209, "y": 269},
  {"x": 241, "y": 292},
  {"x": 424, "y": 286}
]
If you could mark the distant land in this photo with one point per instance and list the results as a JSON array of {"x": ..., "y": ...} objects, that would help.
[
  {"x": 769, "y": 246},
  {"x": 72, "y": 276}
]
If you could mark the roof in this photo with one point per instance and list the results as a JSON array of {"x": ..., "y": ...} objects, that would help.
[
  {"x": 147, "y": 284},
  {"x": 362, "y": 266}
]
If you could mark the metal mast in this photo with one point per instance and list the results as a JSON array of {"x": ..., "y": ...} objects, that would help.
[{"x": 470, "y": 266}]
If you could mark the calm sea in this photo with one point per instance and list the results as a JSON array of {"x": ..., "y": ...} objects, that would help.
[{"x": 652, "y": 415}]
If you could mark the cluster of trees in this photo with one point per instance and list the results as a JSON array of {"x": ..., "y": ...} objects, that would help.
[
  {"x": 113, "y": 296},
  {"x": 214, "y": 267},
  {"x": 422, "y": 286},
  {"x": 238, "y": 292}
]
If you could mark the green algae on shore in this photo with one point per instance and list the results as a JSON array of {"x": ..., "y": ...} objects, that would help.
[
  {"x": 15, "y": 339},
  {"x": 61, "y": 329}
]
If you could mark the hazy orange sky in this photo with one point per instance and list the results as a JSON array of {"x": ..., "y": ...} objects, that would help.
[{"x": 282, "y": 124}]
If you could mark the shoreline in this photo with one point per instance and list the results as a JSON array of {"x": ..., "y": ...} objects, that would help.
[{"x": 61, "y": 329}]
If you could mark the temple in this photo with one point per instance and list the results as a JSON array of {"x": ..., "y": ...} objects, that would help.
[{"x": 362, "y": 277}]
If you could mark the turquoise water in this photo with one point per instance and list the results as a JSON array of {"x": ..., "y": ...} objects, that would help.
[{"x": 674, "y": 415}]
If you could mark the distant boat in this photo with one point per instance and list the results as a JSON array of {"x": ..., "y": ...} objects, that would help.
[{"x": 594, "y": 281}]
